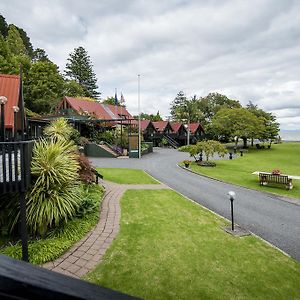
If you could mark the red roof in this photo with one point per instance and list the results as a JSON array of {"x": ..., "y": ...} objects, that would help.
[
  {"x": 145, "y": 124},
  {"x": 99, "y": 110},
  {"x": 193, "y": 127},
  {"x": 10, "y": 87},
  {"x": 176, "y": 126},
  {"x": 160, "y": 125}
]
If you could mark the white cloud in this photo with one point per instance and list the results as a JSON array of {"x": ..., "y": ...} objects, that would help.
[{"x": 248, "y": 50}]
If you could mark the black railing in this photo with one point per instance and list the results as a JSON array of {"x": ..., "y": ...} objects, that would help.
[
  {"x": 15, "y": 158},
  {"x": 20, "y": 280},
  {"x": 171, "y": 141}
]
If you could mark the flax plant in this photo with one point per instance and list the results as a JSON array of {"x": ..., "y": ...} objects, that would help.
[
  {"x": 55, "y": 195},
  {"x": 59, "y": 129}
]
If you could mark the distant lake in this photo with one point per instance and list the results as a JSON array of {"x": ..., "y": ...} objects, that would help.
[{"x": 290, "y": 135}]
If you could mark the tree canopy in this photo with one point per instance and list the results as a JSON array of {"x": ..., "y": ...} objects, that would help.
[
  {"x": 80, "y": 69},
  {"x": 186, "y": 110},
  {"x": 236, "y": 122},
  {"x": 44, "y": 87}
]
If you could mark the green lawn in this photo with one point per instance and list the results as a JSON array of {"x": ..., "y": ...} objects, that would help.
[
  {"x": 284, "y": 157},
  {"x": 60, "y": 239},
  {"x": 126, "y": 176},
  {"x": 171, "y": 248}
]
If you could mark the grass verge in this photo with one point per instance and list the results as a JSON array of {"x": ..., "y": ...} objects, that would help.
[
  {"x": 238, "y": 171},
  {"x": 126, "y": 176},
  {"x": 61, "y": 239},
  {"x": 171, "y": 248}
]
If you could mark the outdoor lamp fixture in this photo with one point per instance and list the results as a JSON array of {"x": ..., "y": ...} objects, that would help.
[
  {"x": 3, "y": 101},
  {"x": 231, "y": 195},
  {"x": 16, "y": 109}
]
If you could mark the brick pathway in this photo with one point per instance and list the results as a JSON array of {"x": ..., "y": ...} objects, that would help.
[{"x": 88, "y": 252}]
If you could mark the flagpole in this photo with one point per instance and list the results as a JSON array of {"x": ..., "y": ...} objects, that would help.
[
  {"x": 116, "y": 97},
  {"x": 139, "y": 112}
]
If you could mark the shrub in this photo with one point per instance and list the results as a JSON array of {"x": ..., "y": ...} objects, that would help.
[
  {"x": 54, "y": 197},
  {"x": 89, "y": 200},
  {"x": 206, "y": 163},
  {"x": 85, "y": 172},
  {"x": 59, "y": 129}
]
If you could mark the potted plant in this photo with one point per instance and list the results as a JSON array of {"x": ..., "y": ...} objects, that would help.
[
  {"x": 187, "y": 163},
  {"x": 276, "y": 172}
]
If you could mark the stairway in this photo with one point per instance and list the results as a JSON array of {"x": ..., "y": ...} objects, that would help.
[
  {"x": 109, "y": 150},
  {"x": 171, "y": 141}
]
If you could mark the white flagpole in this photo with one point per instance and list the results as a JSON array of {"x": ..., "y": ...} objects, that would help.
[{"x": 139, "y": 112}]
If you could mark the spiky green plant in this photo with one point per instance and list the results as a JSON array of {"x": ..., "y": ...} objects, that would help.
[
  {"x": 59, "y": 129},
  {"x": 54, "y": 197}
]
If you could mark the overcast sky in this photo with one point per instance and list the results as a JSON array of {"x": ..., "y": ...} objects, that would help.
[{"x": 245, "y": 49}]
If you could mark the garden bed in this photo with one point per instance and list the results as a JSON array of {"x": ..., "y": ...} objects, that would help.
[{"x": 62, "y": 238}]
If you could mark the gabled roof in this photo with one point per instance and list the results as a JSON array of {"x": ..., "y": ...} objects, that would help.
[
  {"x": 176, "y": 126},
  {"x": 99, "y": 110},
  {"x": 193, "y": 127},
  {"x": 160, "y": 126},
  {"x": 10, "y": 88},
  {"x": 145, "y": 124}
]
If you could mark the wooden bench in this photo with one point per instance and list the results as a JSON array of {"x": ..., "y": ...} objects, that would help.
[{"x": 265, "y": 178}]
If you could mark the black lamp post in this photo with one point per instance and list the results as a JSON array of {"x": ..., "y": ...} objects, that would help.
[
  {"x": 3, "y": 101},
  {"x": 16, "y": 110},
  {"x": 231, "y": 195}
]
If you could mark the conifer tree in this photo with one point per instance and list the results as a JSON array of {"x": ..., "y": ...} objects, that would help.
[
  {"x": 15, "y": 42},
  {"x": 80, "y": 69}
]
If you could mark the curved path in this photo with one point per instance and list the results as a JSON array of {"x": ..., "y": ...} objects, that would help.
[
  {"x": 88, "y": 252},
  {"x": 266, "y": 215}
]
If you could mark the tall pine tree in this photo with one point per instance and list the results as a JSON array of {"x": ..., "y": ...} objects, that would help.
[{"x": 80, "y": 69}]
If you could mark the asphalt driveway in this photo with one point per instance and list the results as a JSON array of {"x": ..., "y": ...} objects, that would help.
[{"x": 267, "y": 216}]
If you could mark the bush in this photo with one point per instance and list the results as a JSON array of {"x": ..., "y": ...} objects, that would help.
[
  {"x": 89, "y": 200},
  {"x": 85, "y": 172},
  {"x": 59, "y": 129},
  {"x": 206, "y": 163},
  {"x": 54, "y": 197}
]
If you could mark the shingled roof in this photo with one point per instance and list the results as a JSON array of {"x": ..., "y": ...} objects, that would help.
[
  {"x": 99, "y": 110},
  {"x": 160, "y": 126},
  {"x": 193, "y": 127}
]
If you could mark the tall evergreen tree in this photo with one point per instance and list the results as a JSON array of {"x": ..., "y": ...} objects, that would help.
[
  {"x": 80, "y": 68},
  {"x": 26, "y": 42},
  {"x": 15, "y": 42},
  {"x": 3, "y": 26}
]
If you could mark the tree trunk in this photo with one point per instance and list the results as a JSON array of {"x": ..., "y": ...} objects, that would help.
[{"x": 245, "y": 142}]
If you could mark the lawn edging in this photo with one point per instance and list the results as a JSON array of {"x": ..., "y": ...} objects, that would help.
[{"x": 279, "y": 197}]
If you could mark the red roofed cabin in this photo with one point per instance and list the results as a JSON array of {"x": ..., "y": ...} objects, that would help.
[
  {"x": 80, "y": 110},
  {"x": 196, "y": 132},
  {"x": 164, "y": 130},
  {"x": 148, "y": 130},
  {"x": 180, "y": 133},
  {"x": 11, "y": 89}
]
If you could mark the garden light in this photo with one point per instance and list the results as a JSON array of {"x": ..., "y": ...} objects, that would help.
[{"x": 231, "y": 195}]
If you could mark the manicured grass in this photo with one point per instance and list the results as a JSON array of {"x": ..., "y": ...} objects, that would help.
[
  {"x": 284, "y": 157},
  {"x": 62, "y": 238},
  {"x": 127, "y": 176},
  {"x": 171, "y": 248}
]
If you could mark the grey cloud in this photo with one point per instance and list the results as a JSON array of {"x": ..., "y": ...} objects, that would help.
[{"x": 248, "y": 50}]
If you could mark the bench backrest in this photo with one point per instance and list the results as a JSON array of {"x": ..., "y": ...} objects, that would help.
[{"x": 274, "y": 178}]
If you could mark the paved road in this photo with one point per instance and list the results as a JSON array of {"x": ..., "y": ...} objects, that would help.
[{"x": 268, "y": 216}]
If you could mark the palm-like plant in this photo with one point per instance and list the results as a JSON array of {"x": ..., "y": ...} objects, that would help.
[
  {"x": 54, "y": 196},
  {"x": 59, "y": 129}
]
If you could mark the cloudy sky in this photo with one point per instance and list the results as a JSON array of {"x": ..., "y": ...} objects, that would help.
[{"x": 245, "y": 49}]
